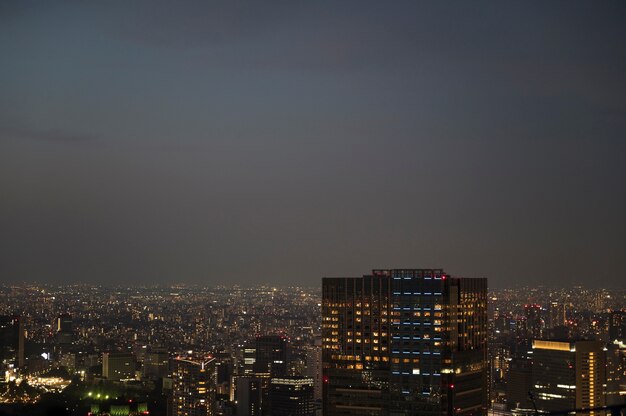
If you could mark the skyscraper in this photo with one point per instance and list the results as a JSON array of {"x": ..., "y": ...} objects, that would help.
[
  {"x": 556, "y": 315},
  {"x": 272, "y": 355},
  {"x": 291, "y": 396},
  {"x": 193, "y": 387},
  {"x": 11, "y": 342},
  {"x": 249, "y": 395},
  {"x": 64, "y": 329},
  {"x": 569, "y": 375},
  {"x": 314, "y": 366},
  {"x": 617, "y": 326},
  {"x": 404, "y": 342},
  {"x": 534, "y": 323}
]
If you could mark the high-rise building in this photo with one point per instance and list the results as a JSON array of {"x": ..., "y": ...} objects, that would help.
[
  {"x": 272, "y": 355},
  {"x": 616, "y": 373},
  {"x": 246, "y": 359},
  {"x": 556, "y": 315},
  {"x": 404, "y": 342},
  {"x": 519, "y": 383},
  {"x": 156, "y": 363},
  {"x": 292, "y": 396},
  {"x": 569, "y": 375},
  {"x": 314, "y": 367},
  {"x": 64, "y": 329},
  {"x": 193, "y": 387},
  {"x": 534, "y": 323},
  {"x": 248, "y": 395},
  {"x": 11, "y": 342},
  {"x": 617, "y": 326},
  {"x": 118, "y": 365}
]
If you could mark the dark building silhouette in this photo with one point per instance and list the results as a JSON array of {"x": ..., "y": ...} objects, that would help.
[
  {"x": 404, "y": 342},
  {"x": 617, "y": 326},
  {"x": 64, "y": 329},
  {"x": 556, "y": 315},
  {"x": 292, "y": 396},
  {"x": 118, "y": 365},
  {"x": 519, "y": 383},
  {"x": 272, "y": 355},
  {"x": 616, "y": 373},
  {"x": 249, "y": 395},
  {"x": 156, "y": 363},
  {"x": 11, "y": 342},
  {"x": 534, "y": 323}
]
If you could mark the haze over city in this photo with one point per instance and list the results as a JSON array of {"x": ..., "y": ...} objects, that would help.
[{"x": 221, "y": 142}]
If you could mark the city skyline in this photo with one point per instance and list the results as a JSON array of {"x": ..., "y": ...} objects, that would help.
[{"x": 221, "y": 143}]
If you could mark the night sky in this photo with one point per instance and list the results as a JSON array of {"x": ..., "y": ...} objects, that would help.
[{"x": 279, "y": 142}]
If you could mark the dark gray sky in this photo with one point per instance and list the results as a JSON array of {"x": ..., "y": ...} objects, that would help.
[{"x": 284, "y": 141}]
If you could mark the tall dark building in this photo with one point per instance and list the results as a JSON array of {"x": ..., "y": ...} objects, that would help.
[
  {"x": 556, "y": 315},
  {"x": 617, "y": 326},
  {"x": 404, "y": 342},
  {"x": 272, "y": 355},
  {"x": 11, "y": 342},
  {"x": 156, "y": 363},
  {"x": 64, "y": 329},
  {"x": 292, "y": 396},
  {"x": 519, "y": 383},
  {"x": 616, "y": 373},
  {"x": 249, "y": 395},
  {"x": 534, "y": 323}
]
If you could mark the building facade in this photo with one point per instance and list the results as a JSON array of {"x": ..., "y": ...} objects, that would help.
[
  {"x": 11, "y": 342},
  {"x": 404, "y": 342},
  {"x": 119, "y": 366},
  {"x": 193, "y": 387},
  {"x": 272, "y": 355},
  {"x": 292, "y": 396},
  {"x": 314, "y": 367},
  {"x": 569, "y": 375}
]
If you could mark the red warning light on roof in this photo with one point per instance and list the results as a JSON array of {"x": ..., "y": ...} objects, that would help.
[
  {"x": 451, "y": 386},
  {"x": 326, "y": 379}
]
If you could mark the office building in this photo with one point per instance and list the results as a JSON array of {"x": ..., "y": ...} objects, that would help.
[
  {"x": 314, "y": 367},
  {"x": 156, "y": 363},
  {"x": 249, "y": 395},
  {"x": 118, "y": 366},
  {"x": 64, "y": 329},
  {"x": 519, "y": 383},
  {"x": 272, "y": 355},
  {"x": 11, "y": 342},
  {"x": 193, "y": 387},
  {"x": 292, "y": 396},
  {"x": 404, "y": 342},
  {"x": 556, "y": 315},
  {"x": 246, "y": 359},
  {"x": 616, "y": 373},
  {"x": 617, "y": 326},
  {"x": 569, "y": 375},
  {"x": 534, "y": 323}
]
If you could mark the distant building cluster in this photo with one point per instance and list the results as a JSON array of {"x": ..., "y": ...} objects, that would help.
[{"x": 394, "y": 342}]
